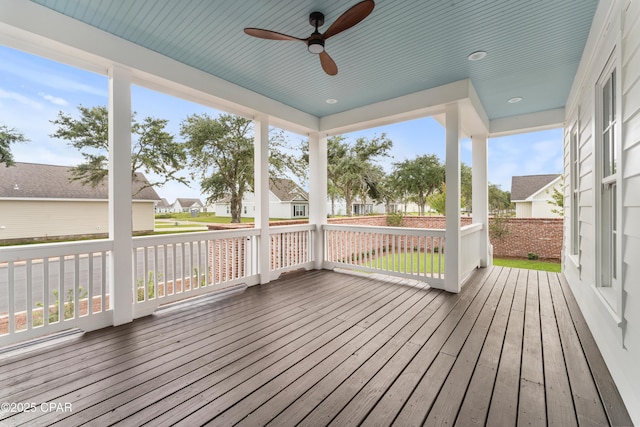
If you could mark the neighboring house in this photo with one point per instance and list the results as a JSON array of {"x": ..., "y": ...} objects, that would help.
[
  {"x": 532, "y": 195},
  {"x": 163, "y": 206},
  {"x": 286, "y": 200},
  {"x": 370, "y": 207},
  {"x": 40, "y": 202},
  {"x": 187, "y": 205}
]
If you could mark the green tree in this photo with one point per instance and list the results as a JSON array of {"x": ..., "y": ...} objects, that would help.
[
  {"x": 499, "y": 200},
  {"x": 438, "y": 201},
  {"x": 466, "y": 179},
  {"x": 8, "y": 136},
  {"x": 557, "y": 199},
  {"x": 221, "y": 153},
  {"x": 419, "y": 177},
  {"x": 354, "y": 174},
  {"x": 154, "y": 150}
]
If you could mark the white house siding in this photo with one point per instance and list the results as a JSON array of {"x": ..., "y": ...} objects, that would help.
[
  {"x": 523, "y": 210},
  {"x": 616, "y": 331},
  {"x": 29, "y": 219}
]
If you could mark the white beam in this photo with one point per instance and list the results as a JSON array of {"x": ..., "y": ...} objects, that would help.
[
  {"x": 318, "y": 192},
  {"x": 120, "y": 209},
  {"x": 543, "y": 120},
  {"x": 452, "y": 170},
  {"x": 261, "y": 187},
  {"x": 480, "y": 186}
]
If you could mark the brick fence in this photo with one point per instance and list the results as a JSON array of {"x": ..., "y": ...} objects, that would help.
[{"x": 540, "y": 236}]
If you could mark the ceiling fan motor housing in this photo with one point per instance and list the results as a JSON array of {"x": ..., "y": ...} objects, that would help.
[{"x": 316, "y": 19}]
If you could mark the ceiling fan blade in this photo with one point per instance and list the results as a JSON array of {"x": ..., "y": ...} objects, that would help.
[
  {"x": 350, "y": 18},
  {"x": 328, "y": 65},
  {"x": 270, "y": 35}
]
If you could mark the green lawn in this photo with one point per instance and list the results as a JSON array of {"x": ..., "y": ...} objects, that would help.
[
  {"x": 417, "y": 262},
  {"x": 397, "y": 263},
  {"x": 528, "y": 264}
]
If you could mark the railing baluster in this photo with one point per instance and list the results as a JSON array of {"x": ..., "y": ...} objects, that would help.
[
  {"x": 29, "y": 308},
  {"x": 90, "y": 284},
  {"x": 76, "y": 286},
  {"x": 45, "y": 291}
]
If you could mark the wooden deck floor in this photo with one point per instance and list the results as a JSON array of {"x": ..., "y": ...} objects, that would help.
[{"x": 325, "y": 348}]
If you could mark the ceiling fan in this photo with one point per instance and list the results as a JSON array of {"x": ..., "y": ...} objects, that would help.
[{"x": 315, "y": 42}]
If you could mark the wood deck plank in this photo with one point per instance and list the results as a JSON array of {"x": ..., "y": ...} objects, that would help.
[
  {"x": 475, "y": 406},
  {"x": 503, "y": 410},
  {"x": 589, "y": 408},
  {"x": 531, "y": 403},
  {"x": 616, "y": 411},
  {"x": 560, "y": 408},
  {"x": 323, "y": 347}
]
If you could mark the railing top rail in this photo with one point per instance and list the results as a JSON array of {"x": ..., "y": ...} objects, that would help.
[
  {"x": 45, "y": 250},
  {"x": 471, "y": 228},
  {"x": 141, "y": 241},
  {"x": 291, "y": 228},
  {"x": 387, "y": 230}
]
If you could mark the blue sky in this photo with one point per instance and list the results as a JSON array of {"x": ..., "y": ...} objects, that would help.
[{"x": 33, "y": 90}]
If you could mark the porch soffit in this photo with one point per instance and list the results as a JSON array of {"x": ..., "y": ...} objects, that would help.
[{"x": 199, "y": 52}]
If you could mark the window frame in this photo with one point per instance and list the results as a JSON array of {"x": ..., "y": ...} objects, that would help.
[{"x": 607, "y": 175}]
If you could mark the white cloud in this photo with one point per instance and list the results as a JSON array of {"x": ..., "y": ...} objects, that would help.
[
  {"x": 15, "y": 96},
  {"x": 53, "y": 99}
]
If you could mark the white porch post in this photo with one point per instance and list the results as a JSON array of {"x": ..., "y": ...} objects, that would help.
[
  {"x": 480, "y": 185},
  {"x": 261, "y": 186},
  {"x": 452, "y": 170},
  {"x": 318, "y": 193},
  {"x": 120, "y": 210}
]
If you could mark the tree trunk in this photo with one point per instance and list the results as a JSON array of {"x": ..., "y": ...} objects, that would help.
[
  {"x": 236, "y": 208},
  {"x": 348, "y": 200}
]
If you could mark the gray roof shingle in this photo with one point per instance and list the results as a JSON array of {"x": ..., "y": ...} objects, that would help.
[
  {"x": 33, "y": 180},
  {"x": 523, "y": 187}
]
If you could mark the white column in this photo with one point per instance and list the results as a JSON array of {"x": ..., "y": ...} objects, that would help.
[
  {"x": 318, "y": 193},
  {"x": 261, "y": 186},
  {"x": 480, "y": 185},
  {"x": 452, "y": 170},
  {"x": 120, "y": 209}
]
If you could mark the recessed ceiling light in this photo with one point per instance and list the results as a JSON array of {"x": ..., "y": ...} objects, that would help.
[
  {"x": 332, "y": 101},
  {"x": 476, "y": 56},
  {"x": 514, "y": 99}
]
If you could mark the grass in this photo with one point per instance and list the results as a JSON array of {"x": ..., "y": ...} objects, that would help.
[
  {"x": 397, "y": 262},
  {"x": 528, "y": 264}
]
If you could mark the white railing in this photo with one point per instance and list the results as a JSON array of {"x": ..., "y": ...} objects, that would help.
[
  {"x": 397, "y": 251},
  {"x": 172, "y": 267},
  {"x": 47, "y": 288},
  {"x": 469, "y": 249},
  {"x": 291, "y": 248}
]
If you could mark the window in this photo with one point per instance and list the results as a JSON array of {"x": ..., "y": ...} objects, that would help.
[
  {"x": 299, "y": 210},
  {"x": 607, "y": 134},
  {"x": 574, "y": 154}
]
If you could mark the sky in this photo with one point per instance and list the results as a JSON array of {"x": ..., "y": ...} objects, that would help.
[{"x": 34, "y": 90}]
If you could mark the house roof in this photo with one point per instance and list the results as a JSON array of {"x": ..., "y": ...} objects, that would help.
[
  {"x": 187, "y": 203},
  {"x": 163, "y": 203},
  {"x": 523, "y": 187},
  {"x": 401, "y": 48},
  {"x": 33, "y": 180},
  {"x": 286, "y": 190}
]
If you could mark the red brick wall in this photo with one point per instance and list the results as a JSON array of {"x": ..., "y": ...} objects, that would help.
[{"x": 542, "y": 236}]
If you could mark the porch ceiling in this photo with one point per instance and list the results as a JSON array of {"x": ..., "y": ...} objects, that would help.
[{"x": 403, "y": 47}]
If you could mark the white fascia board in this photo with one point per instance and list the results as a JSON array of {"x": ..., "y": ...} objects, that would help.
[
  {"x": 429, "y": 102},
  {"x": 545, "y": 188},
  {"x": 513, "y": 125},
  {"x": 36, "y": 29}
]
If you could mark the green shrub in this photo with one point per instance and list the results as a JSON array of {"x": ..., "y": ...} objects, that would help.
[
  {"x": 394, "y": 219},
  {"x": 532, "y": 255}
]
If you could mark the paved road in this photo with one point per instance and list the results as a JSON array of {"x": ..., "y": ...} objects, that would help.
[{"x": 20, "y": 279}]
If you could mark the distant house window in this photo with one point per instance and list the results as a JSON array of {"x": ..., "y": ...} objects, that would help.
[
  {"x": 574, "y": 154},
  {"x": 607, "y": 120},
  {"x": 228, "y": 209},
  {"x": 245, "y": 210},
  {"x": 299, "y": 211}
]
